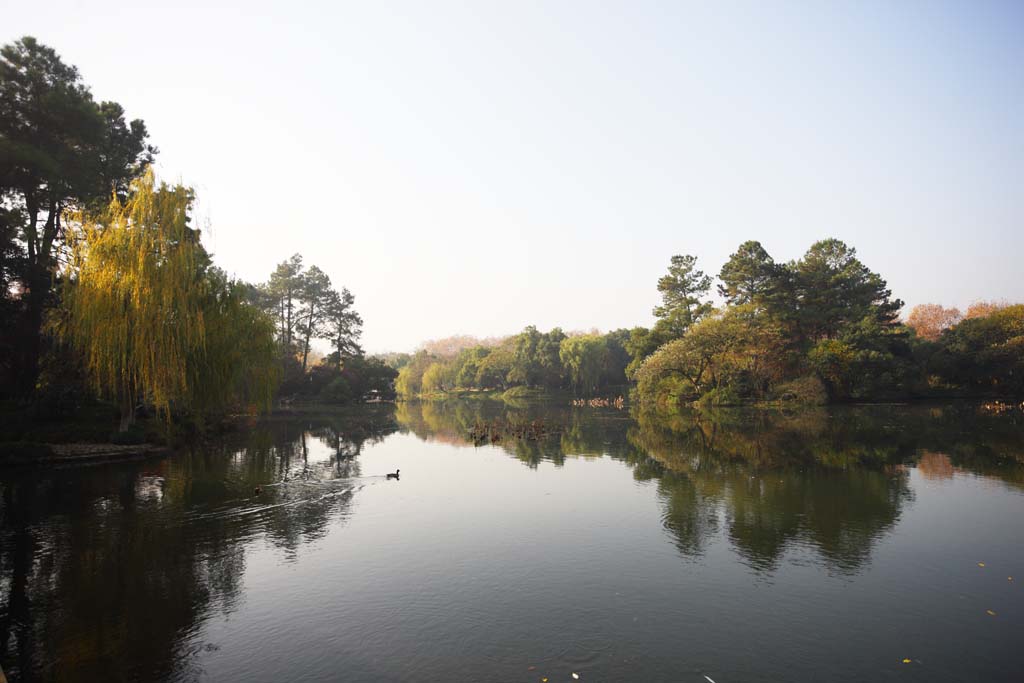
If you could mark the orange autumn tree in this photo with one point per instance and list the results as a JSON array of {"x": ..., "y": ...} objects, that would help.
[
  {"x": 983, "y": 309},
  {"x": 929, "y": 320}
]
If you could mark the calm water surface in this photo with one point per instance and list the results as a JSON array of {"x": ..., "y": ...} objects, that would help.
[{"x": 828, "y": 545}]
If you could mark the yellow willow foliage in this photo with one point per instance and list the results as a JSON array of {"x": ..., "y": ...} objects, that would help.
[{"x": 150, "y": 316}]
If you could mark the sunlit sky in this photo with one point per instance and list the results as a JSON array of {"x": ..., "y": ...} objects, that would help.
[{"x": 477, "y": 167}]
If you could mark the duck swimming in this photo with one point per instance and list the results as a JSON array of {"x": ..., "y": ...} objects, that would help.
[
  {"x": 258, "y": 490},
  {"x": 393, "y": 475}
]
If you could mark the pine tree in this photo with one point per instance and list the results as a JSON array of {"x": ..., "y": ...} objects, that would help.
[{"x": 682, "y": 295}]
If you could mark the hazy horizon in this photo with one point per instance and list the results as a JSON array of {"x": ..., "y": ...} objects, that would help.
[{"x": 470, "y": 170}]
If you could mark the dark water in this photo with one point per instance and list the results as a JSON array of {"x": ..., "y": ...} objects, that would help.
[{"x": 823, "y": 546}]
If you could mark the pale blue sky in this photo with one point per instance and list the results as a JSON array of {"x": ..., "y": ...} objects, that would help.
[{"x": 477, "y": 167}]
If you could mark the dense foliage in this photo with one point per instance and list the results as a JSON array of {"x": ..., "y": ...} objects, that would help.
[
  {"x": 59, "y": 150},
  {"x": 825, "y": 328},
  {"x": 150, "y": 315},
  {"x": 106, "y": 291},
  {"x": 554, "y": 360},
  {"x": 983, "y": 354}
]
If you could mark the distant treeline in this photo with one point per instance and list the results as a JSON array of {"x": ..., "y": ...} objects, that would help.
[
  {"x": 584, "y": 363},
  {"x": 823, "y": 328}
]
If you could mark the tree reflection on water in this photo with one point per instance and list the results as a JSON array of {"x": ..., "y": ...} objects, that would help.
[
  {"x": 117, "y": 567},
  {"x": 111, "y": 568},
  {"x": 829, "y": 480}
]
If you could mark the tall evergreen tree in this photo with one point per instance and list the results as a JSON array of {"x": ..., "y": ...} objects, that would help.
[
  {"x": 834, "y": 290},
  {"x": 682, "y": 296},
  {"x": 748, "y": 276},
  {"x": 344, "y": 326},
  {"x": 315, "y": 300},
  {"x": 280, "y": 296}
]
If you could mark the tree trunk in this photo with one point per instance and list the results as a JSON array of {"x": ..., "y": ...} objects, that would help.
[
  {"x": 39, "y": 278},
  {"x": 309, "y": 333},
  {"x": 288, "y": 321},
  {"x": 127, "y": 416},
  {"x": 32, "y": 330},
  {"x": 127, "y": 401}
]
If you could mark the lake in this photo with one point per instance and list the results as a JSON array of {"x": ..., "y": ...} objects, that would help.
[{"x": 531, "y": 541}]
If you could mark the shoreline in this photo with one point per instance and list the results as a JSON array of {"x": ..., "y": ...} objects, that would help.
[{"x": 32, "y": 454}]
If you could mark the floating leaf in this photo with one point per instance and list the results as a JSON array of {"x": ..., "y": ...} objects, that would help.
[
  {"x": 981, "y": 564},
  {"x": 990, "y": 613},
  {"x": 575, "y": 675},
  {"x": 906, "y": 661}
]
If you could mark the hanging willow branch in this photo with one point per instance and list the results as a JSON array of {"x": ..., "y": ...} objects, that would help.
[{"x": 151, "y": 317}]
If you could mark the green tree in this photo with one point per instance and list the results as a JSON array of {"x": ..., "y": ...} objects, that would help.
[
  {"x": 468, "y": 363},
  {"x": 642, "y": 343},
  {"x": 550, "y": 373},
  {"x": 59, "y": 150},
  {"x": 737, "y": 353},
  {"x": 316, "y": 299},
  {"x": 305, "y": 306},
  {"x": 344, "y": 326},
  {"x": 682, "y": 296},
  {"x": 494, "y": 368},
  {"x": 525, "y": 369},
  {"x": 409, "y": 382},
  {"x": 237, "y": 365},
  {"x": 834, "y": 289},
  {"x": 535, "y": 360},
  {"x": 369, "y": 377},
  {"x": 748, "y": 276},
  {"x": 984, "y": 354},
  {"x": 619, "y": 357},
  {"x": 280, "y": 297},
  {"x": 438, "y": 378},
  {"x": 883, "y": 364},
  {"x": 585, "y": 358}
]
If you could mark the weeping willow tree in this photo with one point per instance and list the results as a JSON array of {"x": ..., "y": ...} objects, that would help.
[
  {"x": 239, "y": 363},
  {"x": 152, "y": 318}
]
